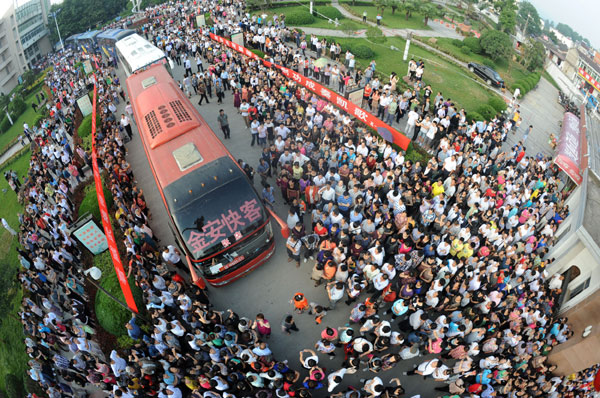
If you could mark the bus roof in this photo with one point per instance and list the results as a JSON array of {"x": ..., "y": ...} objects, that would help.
[
  {"x": 138, "y": 52},
  {"x": 115, "y": 34},
  {"x": 91, "y": 34},
  {"x": 176, "y": 138}
]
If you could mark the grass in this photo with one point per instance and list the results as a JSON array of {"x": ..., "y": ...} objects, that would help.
[
  {"x": 320, "y": 22},
  {"x": 397, "y": 20},
  {"x": 550, "y": 79},
  {"x": 452, "y": 80},
  {"x": 13, "y": 358},
  {"x": 29, "y": 116},
  {"x": 511, "y": 71}
]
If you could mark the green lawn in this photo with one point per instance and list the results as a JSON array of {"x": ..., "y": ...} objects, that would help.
[
  {"x": 396, "y": 20},
  {"x": 550, "y": 79},
  {"x": 29, "y": 117},
  {"x": 320, "y": 22},
  {"x": 442, "y": 75},
  {"x": 510, "y": 71},
  {"x": 13, "y": 358}
]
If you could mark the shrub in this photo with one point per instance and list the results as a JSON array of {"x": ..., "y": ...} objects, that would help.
[
  {"x": 489, "y": 63},
  {"x": 90, "y": 201},
  {"x": 4, "y": 125},
  {"x": 125, "y": 342},
  {"x": 16, "y": 107},
  {"x": 457, "y": 42},
  {"x": 474, "y": 116},
  {"x": 518, "y": 86},
  {"x": 526, "y": 86},
  {"x": 14, "y": 386},
  {"x": 465, "y": 50},
  {"x": 362, "y": 51},
  {"x": 112, "y": 316},
  {"x": 486, "y": 111},
  {"x": 299, "y": 18},
  {"x": 85, "y": 128},
  {"x": 348, "y": 26},
  {"x": 473, "y": 44},
  {"x": 327, "y": 12},
  {"x": 38, "y": 120},
  {"x": 259, "y": 53},
  {"x": 104, "y": 262},
  {"x": 375, "y": 35},
  {"x": 497, "y": 103}
]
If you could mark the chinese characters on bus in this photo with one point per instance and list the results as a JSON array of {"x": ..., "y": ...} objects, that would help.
[{"x": 228, "y": 223}]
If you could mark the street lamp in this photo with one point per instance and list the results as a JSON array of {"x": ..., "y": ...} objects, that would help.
[{"x": 58, "y": 30}]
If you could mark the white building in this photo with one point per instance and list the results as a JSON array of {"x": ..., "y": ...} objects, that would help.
[{"x": 24, "y": 38}]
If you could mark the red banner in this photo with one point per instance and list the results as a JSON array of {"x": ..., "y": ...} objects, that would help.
[
  {"x": 110, "y": 237},
  {"x": 337, "y": 100},
  {"x": 568, "y": 156}
]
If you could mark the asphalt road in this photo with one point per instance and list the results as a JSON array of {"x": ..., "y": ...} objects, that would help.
[{"x": 268, "y": 289}]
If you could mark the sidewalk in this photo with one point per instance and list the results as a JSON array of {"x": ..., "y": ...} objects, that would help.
[{"x": 11, "y": 151}]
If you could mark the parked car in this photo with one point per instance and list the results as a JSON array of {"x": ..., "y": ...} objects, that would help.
[{"x": 490, "y": 76}]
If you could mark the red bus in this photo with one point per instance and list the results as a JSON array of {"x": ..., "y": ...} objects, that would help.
[{"x": 217, "y": 217}]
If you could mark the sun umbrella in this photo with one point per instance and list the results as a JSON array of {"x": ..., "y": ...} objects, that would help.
[
  {"x": 385, "y": 134},
  {"x": 321, "y": 62}
]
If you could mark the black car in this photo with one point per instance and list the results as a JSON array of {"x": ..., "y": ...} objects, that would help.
[{"x": 490, "y": 76}]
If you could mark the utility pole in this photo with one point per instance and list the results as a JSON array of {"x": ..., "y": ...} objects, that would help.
[{"x": 58, "y": 30}]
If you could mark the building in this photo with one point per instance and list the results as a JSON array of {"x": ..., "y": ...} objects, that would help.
[
  {"x": 567, "y": 41},
  {"x": 577, "y": 250},
  {"x": 24, "y": 38}
]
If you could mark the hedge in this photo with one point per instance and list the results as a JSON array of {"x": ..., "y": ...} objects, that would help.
[
  {"x": 474, "y": 117},
  {"x": 5, "y": 124},
  {"x": 360, "y": 51},
  {"x": 90, "y": 201},
  {"x": 259, "y": 53},
  {"x": 497, "y": 103},
  {"x": 112, "y": 316},
  {"x": 299, "y": 18},
  {"x": 85, "y": 127},
  {"x": 328, "y": 12},
  {"x": 486, "y": 111}
]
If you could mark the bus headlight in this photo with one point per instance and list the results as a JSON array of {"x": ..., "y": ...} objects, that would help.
[{"x": 269, "y": 231}]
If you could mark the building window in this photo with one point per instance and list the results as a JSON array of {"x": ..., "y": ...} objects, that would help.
[{"x": 580, "y": 288}]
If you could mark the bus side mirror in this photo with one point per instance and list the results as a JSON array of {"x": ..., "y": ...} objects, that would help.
[{"x": 285, "y": 231}]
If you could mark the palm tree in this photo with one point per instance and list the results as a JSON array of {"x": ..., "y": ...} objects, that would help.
[
  {"x": 428, "y": 12},
  {"x": 409, "y": 6},
  {"x": 380, "y": 5}
]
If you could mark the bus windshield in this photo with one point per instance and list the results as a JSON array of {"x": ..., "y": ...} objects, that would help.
[{"x": 220, "y": 217}]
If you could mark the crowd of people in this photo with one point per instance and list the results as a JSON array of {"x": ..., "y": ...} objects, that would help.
[{"x": 445, "y": 256}]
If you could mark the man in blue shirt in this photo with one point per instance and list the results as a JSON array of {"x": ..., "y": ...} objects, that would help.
[{"x": 133, "y": 330}]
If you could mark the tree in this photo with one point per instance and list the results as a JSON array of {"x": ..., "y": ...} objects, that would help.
[
  {"x": 496, "y": 44},
  {"x": 569, "y": 32},
  {"x": 409, "y": 6},
  {"x": 428, "y": 12},
  {"x": 508, "y": 16},
  {"x": 534, "y": 55},
  {"x": 380, "y": 5},
  {"x": 77, "y": 16},
  {"x": 529, "y": 19},
  {"x": 28, "y": 78},
  {"x": 394, "y": 4},
  {"x": 552, "y": 36}
]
